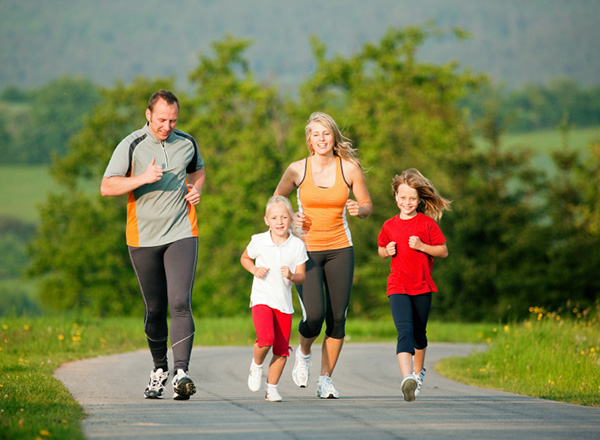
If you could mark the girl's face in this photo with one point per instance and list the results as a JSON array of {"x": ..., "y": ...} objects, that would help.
[
  {"x": 408, "y": 200},
  {"x": 279, "y": 221},
  {"x": 321, "y": 139}
]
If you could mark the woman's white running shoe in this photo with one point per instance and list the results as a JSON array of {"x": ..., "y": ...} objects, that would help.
[
  {"x": 301, "y": 371},
  {"x": 325, "y": 388}
]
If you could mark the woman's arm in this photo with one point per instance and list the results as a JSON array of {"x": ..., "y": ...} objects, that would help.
[
  {"x": 290, "y": 179},
  {"x": 363, "y": 206}
]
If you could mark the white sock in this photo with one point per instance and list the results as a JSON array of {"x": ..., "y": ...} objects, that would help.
[
  {"x": 255, "y": 364},
  {"x": 302, "y": 354}
]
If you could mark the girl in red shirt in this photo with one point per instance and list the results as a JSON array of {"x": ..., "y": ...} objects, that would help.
[{"x": 412, "y": 239}]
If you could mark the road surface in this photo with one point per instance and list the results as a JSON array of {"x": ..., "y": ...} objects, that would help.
[{"x": 110, "y": 389}]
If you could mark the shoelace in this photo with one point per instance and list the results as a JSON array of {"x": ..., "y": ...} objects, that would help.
[
  {"x": 328, "y": 384},
  {"x": 155, "y": 381}
]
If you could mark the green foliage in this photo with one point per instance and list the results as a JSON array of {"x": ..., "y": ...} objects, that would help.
[
  {"x": 400, "y": 114},
  {"x": 79, "y": 251},
  {"x": 517, "y": 237},
  {"x": 238, "y": 125},
  {"x": 47, "y": 119}
]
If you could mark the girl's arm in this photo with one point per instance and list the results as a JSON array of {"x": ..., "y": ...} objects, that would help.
[
  {"x": 296, "y": 278},
  {"x": 387, "y": 251},
  {"x": 248, "y": 264},
  {"x": 438, "y": 251}
]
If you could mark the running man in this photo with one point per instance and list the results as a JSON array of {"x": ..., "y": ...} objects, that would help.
[{"x": 162, "y": 172}]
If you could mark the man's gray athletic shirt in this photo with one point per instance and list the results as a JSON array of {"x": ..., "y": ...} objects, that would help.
[{"x": 157, "y": 213}]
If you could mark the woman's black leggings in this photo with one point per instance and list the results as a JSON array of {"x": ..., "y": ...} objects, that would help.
[
  {"x": 333, "y": 270},
  {"x": 166, "y": 277}
]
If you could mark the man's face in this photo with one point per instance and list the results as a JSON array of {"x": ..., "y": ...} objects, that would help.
[{"x": 162, "y": 119}]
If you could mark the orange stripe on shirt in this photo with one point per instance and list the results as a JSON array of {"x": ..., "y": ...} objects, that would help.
[{"x": 132, "y": 233}]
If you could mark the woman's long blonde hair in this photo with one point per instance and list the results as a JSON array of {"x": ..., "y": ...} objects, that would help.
[
  {"x": 284, "y": 201},
  {"x": 432, "y": 204},
  {"x": 342, "y": 147}
]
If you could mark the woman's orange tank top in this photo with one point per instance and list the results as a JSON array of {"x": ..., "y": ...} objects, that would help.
[{"x": 325, "y": 226}]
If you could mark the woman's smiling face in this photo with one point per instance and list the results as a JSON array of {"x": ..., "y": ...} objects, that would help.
[{"x": 321, "y": 139}]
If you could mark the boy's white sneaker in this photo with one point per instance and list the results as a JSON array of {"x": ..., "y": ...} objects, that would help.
[{"x": 255, "y": 377}]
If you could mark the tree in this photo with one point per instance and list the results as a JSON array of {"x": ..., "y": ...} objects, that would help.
[
  {"x": 240, "y": 128},
  {"x": 46, "y": 118},
  {"x": 400, "y": 113},
  {"x": 79, "y": 251}
]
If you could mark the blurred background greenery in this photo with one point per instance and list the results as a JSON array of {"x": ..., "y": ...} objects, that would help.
[{"x": 509, "y": 132}]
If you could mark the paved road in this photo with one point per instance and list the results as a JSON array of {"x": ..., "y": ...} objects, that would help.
[{"x": 110, "y": 390}]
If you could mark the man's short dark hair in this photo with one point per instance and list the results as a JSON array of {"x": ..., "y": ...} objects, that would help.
[{"x": 169, "y": 97}]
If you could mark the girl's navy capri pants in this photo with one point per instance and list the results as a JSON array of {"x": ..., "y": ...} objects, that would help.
[{"x": 410, "y": 313}]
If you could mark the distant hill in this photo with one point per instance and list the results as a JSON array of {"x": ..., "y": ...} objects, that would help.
[{"x": 514, "y": 41}]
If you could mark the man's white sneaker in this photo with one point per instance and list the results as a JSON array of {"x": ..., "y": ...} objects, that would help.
[
  {"x": 409, "y": 385},
  {"x": 255, "y": 377},
  {"x": 271, "y": 394},
  {"x": 420, "y": 379},
  {"x": 325, "y": 389},
  {"x": 156, "y": 386},
  {"x": 301, "y": 371},
  {"x": 183, "y": 386}
]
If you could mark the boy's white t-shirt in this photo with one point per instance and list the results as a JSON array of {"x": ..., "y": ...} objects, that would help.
[{"x": 273, "y": 289}]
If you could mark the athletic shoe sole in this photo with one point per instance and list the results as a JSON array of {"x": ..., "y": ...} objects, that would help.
[
  {"x": 184, "y": 389},
  {"x": 409, "y": 385}
]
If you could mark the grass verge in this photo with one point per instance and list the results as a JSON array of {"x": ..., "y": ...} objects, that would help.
[
  {"x": 551, "y": 356},
  {"x": 34, "y": 405}
]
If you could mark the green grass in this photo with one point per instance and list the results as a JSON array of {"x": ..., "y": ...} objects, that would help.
[
  {"x": 23, "y": 188},
  {"x": 542, "y": 143},
  {"x": 550, "y": 356}
]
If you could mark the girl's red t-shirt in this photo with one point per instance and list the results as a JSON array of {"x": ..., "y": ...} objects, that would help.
[{"x": 410, "y": 269}]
